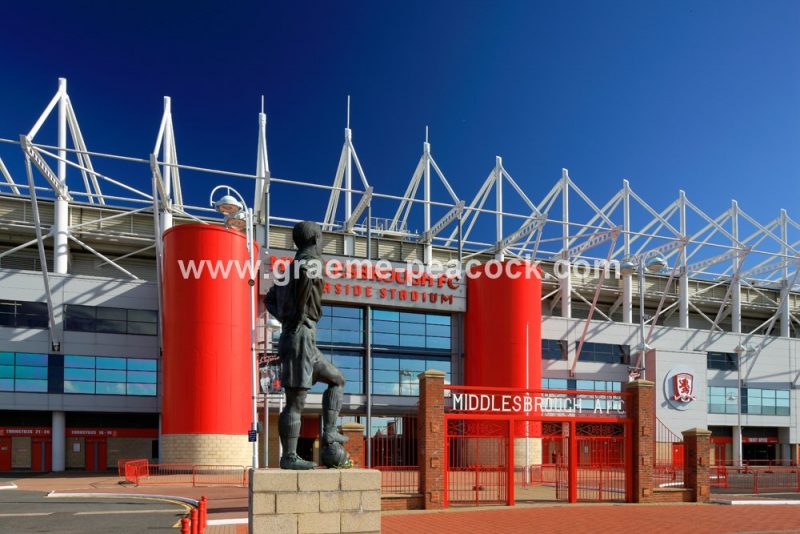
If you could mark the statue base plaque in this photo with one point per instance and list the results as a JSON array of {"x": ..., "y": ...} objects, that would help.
[{"x": 318, "y": 501}]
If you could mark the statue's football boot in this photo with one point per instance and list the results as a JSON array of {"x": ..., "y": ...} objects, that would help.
[
  {"x": 295, "y": 463},
  {"x": 332, "y": 436}
]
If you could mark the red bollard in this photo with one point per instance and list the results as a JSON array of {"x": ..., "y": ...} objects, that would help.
[
  {"x": 203, "y": 505},
  {"x": 185, "y": 526},
  {"x": 195, "y": 521}
]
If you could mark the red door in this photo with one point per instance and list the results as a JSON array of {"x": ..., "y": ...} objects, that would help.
[
  {"x": 96, "y": 450},
  {"x": 5, "y": 454},
  {"x": 41, "y": 455},
  {"x": 677, "y": 455}
]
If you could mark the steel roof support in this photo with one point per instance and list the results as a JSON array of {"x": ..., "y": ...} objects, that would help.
[
  {"x": 627, "y": 279},
  {"x": 735, "y": 285},
  {"x": 61, "y": 209},
  {"x": 683, "y": 281},
  {"x": 784, "y": 309},
  {"x": 565, "y": 281}
]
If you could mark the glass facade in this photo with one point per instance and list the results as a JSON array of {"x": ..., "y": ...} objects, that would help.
[
  {"x": 110, "y": 376},
  {"x": 754, "y": 401},
  {"x": 724, "y": 361},
  {"x": 106, "y": 320},
  {"x": 604, "y": 353},
  {"x": 17, "y": 314},
  {"x": 587, "y": 402},
  {"x": 23, "y": 372},
  {"x": 403, "y": 345},
  {"x": 92, "y": 375},
  {"x": 554, "y": 349}
]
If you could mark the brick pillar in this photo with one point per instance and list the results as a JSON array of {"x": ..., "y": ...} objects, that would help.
[
  {"x": 430, "y": 424},
  {"x": 696, "y": 459},
  {"x": 642, "y": 411},
  {"x": 354, "y": 445}
]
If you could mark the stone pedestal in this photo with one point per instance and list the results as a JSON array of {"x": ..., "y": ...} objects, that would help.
[{"x": 319, "y": 501}]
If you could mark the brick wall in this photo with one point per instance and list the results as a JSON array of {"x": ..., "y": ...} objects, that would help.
[
  {"x": 355, "y": 443},
  {"x": 215, "y": 449},
  {"x": 402, "y": 502},
  {"x": 431, "y": 438},
  {"x": 696, "y": 459},
  {"x": 642, "y": 406}
]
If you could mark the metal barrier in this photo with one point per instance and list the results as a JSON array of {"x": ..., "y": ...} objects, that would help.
[
  {"x": 219, "y": 475},
  {"x": 757, "y": 480},
  {"x": 718, "y": 475},
  {"x": 141, "y": 472},
  {"x": 399, "y": 479}
]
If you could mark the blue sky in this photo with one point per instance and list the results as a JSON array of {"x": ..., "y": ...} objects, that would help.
[{"x": 703, "y": 96}]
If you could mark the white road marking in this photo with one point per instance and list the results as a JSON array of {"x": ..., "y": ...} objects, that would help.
[
  {"x": 29, "y": 514},
  {"x": 105, "y": 512}
]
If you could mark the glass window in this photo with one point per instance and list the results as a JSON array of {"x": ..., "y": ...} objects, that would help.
[
  {"x": 723, "y": 400},
  {"x": 554, "y": 349},
  {"x": 108, "y": 363},
  {"x": 6, "y": 384},
  {"x": 105, "y": 375},
  {"x": 111, "y": 388},
  {"x": 412, "y": 330},
  {"x": 141, "y": 389},
  {"x": 108, "y": 320},
  {"x": 86, "y": 362},
  {"x": 604, "y": 352},
  {"x": 341, "y": 325},
  {"x": 141, "y": 365},
  {"x": 398, "y": 374},
  {"x": 30, "y": 386},
  {"x": 757, "y": 401},
  {"x": 75, "y": 386},
  {"x": 78, "y": 374},
  {"x": 26, "y": 358},
  {"x": 724, "y": 361},
  {"x": 6, "y": 358},
  {"x": 23, "y": 314},
  {"x": 350, "y": 363}
]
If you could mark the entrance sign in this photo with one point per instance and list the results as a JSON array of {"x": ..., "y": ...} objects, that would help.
[
  {"x": 361, "y": 281},
  {"x": 536, "y": 404}
]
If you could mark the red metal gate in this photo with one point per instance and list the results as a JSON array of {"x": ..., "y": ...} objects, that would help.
[
  {"x": 566, "y": 456},
  {"x": 478, "y": 462}
]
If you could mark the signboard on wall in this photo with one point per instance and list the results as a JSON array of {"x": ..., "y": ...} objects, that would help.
[
  {"x": 358, "y": 281},
  {"x": 679, "y": 387}
]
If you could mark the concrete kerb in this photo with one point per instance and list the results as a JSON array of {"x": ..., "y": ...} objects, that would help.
[{"x": 9, "y": 486}]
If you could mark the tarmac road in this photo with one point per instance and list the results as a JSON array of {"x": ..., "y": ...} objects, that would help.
[{"x": 29, "y": 511}]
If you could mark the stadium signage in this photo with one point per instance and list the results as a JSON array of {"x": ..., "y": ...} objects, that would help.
[
  {"x": 361, "y": 281},
  {"x": 534, "y": 404}
]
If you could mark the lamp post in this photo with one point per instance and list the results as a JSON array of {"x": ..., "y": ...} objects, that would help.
[
  {"x": 653, "y": 264},
  {"x": 239, "y": 216},
  {"x": 266, "y": 385},
  {"x": 740, "y": 350}
]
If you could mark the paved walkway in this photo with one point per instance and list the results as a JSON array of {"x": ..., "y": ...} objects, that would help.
[{"x": 569, "y": 519}]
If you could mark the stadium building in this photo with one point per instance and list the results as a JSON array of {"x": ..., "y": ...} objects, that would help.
[{"x": 108, "y": 350}]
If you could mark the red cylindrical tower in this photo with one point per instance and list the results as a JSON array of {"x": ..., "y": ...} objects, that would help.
[
  {"x": 500, "y": 309},
  {"x": 206, "y": 345}
]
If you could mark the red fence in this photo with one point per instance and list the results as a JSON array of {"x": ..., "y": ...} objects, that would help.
[
  {"x": 394, "y": 454},
  {"x": 141, "y": 472},
  {"x": 668, "y": 458},
  {"x": 756, "y": 479}
]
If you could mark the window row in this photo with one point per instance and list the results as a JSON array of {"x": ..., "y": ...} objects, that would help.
[
  {"x": 753, "y": 401},
  {"x": 589, "y": 402},
  {"x": 78, "y": 318},
  {"x": 110, "y": 376},
  {"x": 18, "y": 314},
  {"x": 556, "y": 349},
  {"x": 42, "y": 373},
  {"x": 723, "y": 361},
  {"x": 392, "y": 374},
  {"x": 342, "y": 325},
  {"x": 101, "y": 319}
]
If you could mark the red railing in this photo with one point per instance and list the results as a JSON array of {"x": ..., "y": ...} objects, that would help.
[
  {"x": 749, "y": 479},
  {"x": 668, "y": 458},
  {"x": 141, "y": 472},
  {"x": 399, "y": 479},
  {"x": 718, "y": 476}
]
